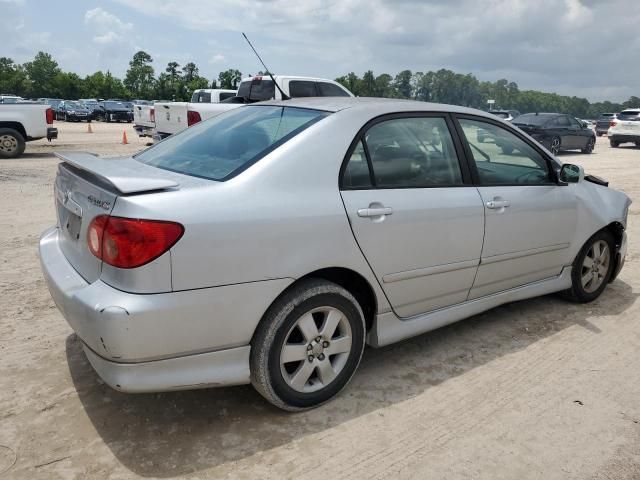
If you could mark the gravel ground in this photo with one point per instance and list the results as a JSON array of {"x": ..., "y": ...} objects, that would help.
[{"x": 536, "y": 389}]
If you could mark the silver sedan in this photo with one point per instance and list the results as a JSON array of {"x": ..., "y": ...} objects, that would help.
[{"x": 269, "y": 244}]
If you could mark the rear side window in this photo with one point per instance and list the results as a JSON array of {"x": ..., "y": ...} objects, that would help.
[
  {"x": 227, "y": 144},
  {"x": 300, "y": 88},
  {"x": 330, "y": 90},
  {"x": 405, "y": 153}
]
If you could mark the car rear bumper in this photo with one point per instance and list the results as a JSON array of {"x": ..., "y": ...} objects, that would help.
[
  {"x": 143, "y": 131},
  {"x": 52, "y": 133},
  {"x": 158, "y": 342},
  {"x": 620, "y": 137}
]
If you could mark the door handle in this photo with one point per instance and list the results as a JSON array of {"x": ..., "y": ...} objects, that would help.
[
  {"x": 375, "y": 211},
  {"x": 496, "y": 204}
]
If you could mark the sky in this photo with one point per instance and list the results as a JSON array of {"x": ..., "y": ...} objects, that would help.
[{"x": 587, "y": 48}]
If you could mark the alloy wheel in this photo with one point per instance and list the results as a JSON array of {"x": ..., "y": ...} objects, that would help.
[
  {"x": 8, "y": 143},
  {"x": 315, "y": 349},
  {"x": 595, "y": 266}
]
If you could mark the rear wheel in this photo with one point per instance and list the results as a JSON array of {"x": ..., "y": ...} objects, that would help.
[
  {"x": 12, "y": 143},
  {"x": 613, "y": 143},
  {"x": 589, "y": 146},
  {"x": 592, "y": 268},
  {"x": 555, "y": 145},
  {"x": 308, "y": 345}
]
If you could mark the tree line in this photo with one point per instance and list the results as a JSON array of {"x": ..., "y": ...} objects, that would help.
[{"x": 42, "y": 77}]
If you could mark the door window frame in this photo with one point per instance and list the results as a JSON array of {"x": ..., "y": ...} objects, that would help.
[
  {"x": 466, "y": 173},
  {"x": 552, "y": 165}
]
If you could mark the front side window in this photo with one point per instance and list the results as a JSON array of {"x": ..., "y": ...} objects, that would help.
[
  {"x": 330, "y": 90},
  {"x": 508, "y": 160},
  {"x": 226, "y": 144},
  {"x": 412, "y": 152},
  {"x": 302, "y": 88}
]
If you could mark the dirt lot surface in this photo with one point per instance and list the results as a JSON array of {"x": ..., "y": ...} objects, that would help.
[{"x": 536, "y": 389}]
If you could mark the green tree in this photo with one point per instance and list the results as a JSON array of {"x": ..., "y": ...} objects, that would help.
[
  {"x": 67, "y": 85},
  {"x": 230, "y": 79},
  {"x": 402, "y": 84},
  {"x": 41, "y": 72},
  {"x": 139, "y": 78},
  {"x": 13, "y": 78}
]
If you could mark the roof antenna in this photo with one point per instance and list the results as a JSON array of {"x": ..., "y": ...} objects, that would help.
[{"x": 284, "y": 95}]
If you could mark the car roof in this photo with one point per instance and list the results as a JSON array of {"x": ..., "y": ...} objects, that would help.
[{"x": 381, "y": 106}]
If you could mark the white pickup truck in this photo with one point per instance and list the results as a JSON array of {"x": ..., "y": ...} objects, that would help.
[
  {"x": 171, "y": 119},
  {"x": 144, "y": 120},
  {"x": 625, "y": 128},
  {"x": 24, "y": 122},
  {"x": 174, "y": 116}
]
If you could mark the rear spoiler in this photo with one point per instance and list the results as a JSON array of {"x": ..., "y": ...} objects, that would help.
[{"x": 126, "y": 175}]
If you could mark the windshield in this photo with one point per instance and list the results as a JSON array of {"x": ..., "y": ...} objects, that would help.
[
  {"x": 229, "y": 143},
  {"x": 532, "y": 119},
  {"x": 112, "y": 105},
  {"x": 257, "y": 90},
  {"x": 73, "y": 105}
]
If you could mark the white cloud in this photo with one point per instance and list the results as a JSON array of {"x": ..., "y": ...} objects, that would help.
[
  {"x": 109, "y": 29},
  {"x": 217, "y": 58}
]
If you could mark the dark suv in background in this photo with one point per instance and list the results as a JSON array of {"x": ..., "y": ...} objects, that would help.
[
  {"x": 557, "y": 131},
  {"x": 602, "y": 124}
]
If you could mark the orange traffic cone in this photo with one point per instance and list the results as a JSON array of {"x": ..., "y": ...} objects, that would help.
[
  {"x": 124, "y": 137},
  {"x": 89, "y": 128}
]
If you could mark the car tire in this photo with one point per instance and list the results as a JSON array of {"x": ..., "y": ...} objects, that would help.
[
  {"x": 555, "y": 145},
  {"x": 599, "y": 134},
  {"x": 614, "y": 144},
  {"x": 313, "y": 317},
  {"x": 107, "y": 118},
  {"x": 590, "y": 145},
  {"x": 592, "y": 268},
  {"x": 637, "y": 144},
  {"x": 12, "y": 143}
]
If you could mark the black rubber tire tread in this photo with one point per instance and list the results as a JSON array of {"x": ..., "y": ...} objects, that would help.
[
  {"x": 275, "y": 323},
  {"x": 576, "y": 293},
  {"x": 21, "y": 142}
]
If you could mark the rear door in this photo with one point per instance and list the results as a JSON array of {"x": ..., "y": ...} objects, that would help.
[
  {"x": 414, "y": 212},
  {"x": 530, "y": 220},
  {"x": 579, "y": 134}
]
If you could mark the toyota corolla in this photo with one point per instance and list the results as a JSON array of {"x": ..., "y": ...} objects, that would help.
[{"x": 270, "y": 243}]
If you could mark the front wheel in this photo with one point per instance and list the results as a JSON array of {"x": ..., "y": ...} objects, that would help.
[
  {"x": 308, "y": 345},
  {"x": 613, "y": 143},
  {"x": 592, "y": 268},
  {"x": 589, "y": 146}
]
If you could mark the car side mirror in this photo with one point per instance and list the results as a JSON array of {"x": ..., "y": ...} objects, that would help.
[{"x": 570, "y": 173}]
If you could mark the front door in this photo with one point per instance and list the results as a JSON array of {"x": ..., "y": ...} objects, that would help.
[
  {"x": 417, "y": 219},
  {"x": 529, "y": 219}
]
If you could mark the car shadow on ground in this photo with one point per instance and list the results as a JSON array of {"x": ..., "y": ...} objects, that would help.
[{"x": 170, "y": 434}]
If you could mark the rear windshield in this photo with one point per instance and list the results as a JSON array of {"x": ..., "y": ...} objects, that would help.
[
  {"x": 201, "y": 97},
  {"x": 257, "y": 90},
  {"x": 229, "y": 143},
  {"x": 532, "y": 119},
  {"x": 607, "y": 115},
  {"x": 629, "y": 114}
]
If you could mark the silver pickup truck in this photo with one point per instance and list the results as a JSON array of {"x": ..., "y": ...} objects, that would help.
[{"x": 21, "y": 123}]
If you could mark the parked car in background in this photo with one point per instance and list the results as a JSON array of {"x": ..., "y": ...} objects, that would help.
[
  {"x": 557, "y": 131},
  {"x": 602, "y": 123},
  {"x": 507, "y": 115},
  {"x": 210, "y": 259},
  {"x": 144, "y": 120},
  {"x": 113, "y": 111},
  {"x": 212, "y": 95},
  {"x": 52, "y": 102},
  {"x": 21, "y": 123},
  {"x": 10, "y": 99},
  {"x": 142, "y": 102},
  {"x": 625, "y": 128},
  {"x": 172, "y": 117},
  {"x": 73, "y": 111},
  {"x": 89, "y": 103}
]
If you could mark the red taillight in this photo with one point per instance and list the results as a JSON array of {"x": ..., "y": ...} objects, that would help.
[
  {"x": 193, "y": 117},
  {"x": 612, "y": 123},
  {"x": 152, "y": 115},
  {"x": 131, "y": 242},
  {"x": 49, "y": 115}
]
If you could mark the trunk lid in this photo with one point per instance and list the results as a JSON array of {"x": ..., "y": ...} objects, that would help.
[
  {"x": 626, "y": 127},
  {"x": 87, "y": 186}
]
